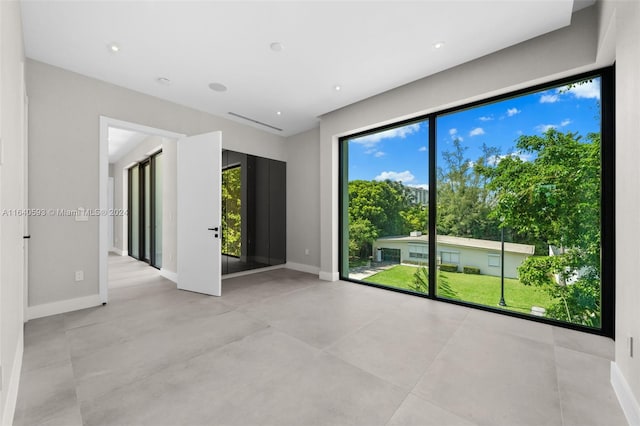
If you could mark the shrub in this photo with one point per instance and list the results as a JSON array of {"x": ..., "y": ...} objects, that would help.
[
  {"x": 448, "y": 267},
  {"x": 471, "y": 270}
]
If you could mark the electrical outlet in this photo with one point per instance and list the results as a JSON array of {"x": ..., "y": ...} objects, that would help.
[
  {"x": 306, "y": 252},
  {"x": 79, "y": 275}
]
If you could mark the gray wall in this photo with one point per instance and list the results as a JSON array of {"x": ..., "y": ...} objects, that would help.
[
  {"x": 303, "y": 200},
  {"x": 63, "y": 166},
  {"x": 12, "y": 193},
  {"x": 627, "y": 30}
]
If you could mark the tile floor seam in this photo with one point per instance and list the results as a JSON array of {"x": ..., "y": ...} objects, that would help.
[
  {"x": 397, "y": 408},
  {"x": 165, "y": 365},
  {"x": 437, "y": 356},
  {"x": 555, "y": 366},
  {"x": 287, "y": 293}
]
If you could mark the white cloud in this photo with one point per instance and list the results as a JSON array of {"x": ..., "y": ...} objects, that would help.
[
  {"x": 476, "y": 132},
  {"x": 398, "y": 132},
  {"x": 549, "y": 99},
  {"x": 422, "y": 149},
  {"x": 405, "y": 176},
  {"x": 542, "y": 128},
  {"x": 419, "y": 185},
  {"x": 485, "y": 118},
  {"x": 589, "y": 90},
  {"x": 495, "y": 159},
  {"x": 453, "y": 132},
  {"x": 379, "y": 154},
  {"x": 513, "y": 111}
]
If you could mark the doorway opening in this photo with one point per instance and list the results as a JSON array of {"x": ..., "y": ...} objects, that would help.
[{"x": 138, "y": 198}]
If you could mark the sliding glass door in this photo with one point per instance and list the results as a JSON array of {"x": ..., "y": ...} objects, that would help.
[
  {"x": 145, "y": 210},
  {"x": 504, "y": 204}
]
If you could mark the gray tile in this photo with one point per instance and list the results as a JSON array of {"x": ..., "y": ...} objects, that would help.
[
  {"x": 510, "y": 326},
  {"x": 586, "y": 395},
  {"x": 240, "y": 292},
  {"x": 322, "y": 314},
  {"x": 494, "y": 379},
  {"x": 337, "y": 353},
  {"x": 603, "y": 347},
  {"x": 92, "y": 338},
  {"x": 401, "y": 344},
  {"x": 328, "y": 391},
  {"x": 44, "y": 349},
  {"x": 47, "y": 395},
  {"x": 418, "y": 412},
  {"x": 120, "y": 364},
  {"x": 205, "y": 389}
]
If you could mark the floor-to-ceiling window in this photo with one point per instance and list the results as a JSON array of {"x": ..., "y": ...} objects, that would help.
[
  {"x": 145, "y": 210},
  {"x": 505, "y": 204},
  {"x": 232, "y": 211}
]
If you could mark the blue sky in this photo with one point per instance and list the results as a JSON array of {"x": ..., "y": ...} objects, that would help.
[{"x": 401, "y": 153}]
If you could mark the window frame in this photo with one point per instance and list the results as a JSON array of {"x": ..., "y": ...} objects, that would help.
[{"x": 607, "y": 198}]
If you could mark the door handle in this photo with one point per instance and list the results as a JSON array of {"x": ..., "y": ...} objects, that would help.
[
  {"x": 216, "y": 235},
  {"x": 26, "y": 237}
]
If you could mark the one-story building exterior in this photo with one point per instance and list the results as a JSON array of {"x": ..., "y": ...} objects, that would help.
[{"x": 459, "y": 251}]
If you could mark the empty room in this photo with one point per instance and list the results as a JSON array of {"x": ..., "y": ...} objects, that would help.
[{"x": 319, "y": 212}]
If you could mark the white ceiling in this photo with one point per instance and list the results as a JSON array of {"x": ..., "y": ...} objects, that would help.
[
  {"x": 122, "y": 141},
  {"x": 366, "y": 47}
]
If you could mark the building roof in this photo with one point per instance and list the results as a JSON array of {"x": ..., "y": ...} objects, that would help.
[{"x": 466, "y": 242}]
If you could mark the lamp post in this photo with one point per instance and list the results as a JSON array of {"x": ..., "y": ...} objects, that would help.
[{"x": 502, "y": 302}]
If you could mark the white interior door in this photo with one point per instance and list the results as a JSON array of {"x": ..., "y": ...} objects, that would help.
[{"x": 199, "y": 213}]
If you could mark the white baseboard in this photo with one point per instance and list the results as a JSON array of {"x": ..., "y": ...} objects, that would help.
[
  {"x": 118, "y": 251},
  {"x": 63, "y": 306},
  {"x": 170, "y": 275},
  {"x": 627, "y": 401},
  {"x": 302, "y": 268},
  {"x": 252, "y": 271},
  {"x": 14, "y": 382},
  {"x": 329, "y": 276}
]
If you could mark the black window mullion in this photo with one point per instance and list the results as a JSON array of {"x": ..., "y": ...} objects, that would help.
[
  {"x": 152, "y": 208},
  {"x": 433, "y": 177}
]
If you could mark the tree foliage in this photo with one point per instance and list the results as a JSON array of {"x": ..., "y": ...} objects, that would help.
[
  {"x": 378, "y": 208},
  {"x": 555, "y": 197},
  {"x": 464, "y": 202},
  {"x": 231, "y": 212}
]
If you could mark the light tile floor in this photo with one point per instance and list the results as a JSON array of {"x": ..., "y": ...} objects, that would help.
[{"x": 283, "y": 348}]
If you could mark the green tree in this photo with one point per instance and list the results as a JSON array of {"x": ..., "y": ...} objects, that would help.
[
  {"x": 464, "y": 202},
  {"x": 231, "y": 212},
  {"x": 375, "y": 210},
  {"x": 555, "y": 197}
]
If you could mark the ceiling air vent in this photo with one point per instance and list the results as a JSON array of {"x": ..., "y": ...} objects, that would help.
[{"x": 255, "y": 121}]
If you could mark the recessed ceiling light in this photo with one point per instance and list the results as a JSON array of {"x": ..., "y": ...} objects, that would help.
[
  {"x": 438, "y": 45},
  {"x": 276, "y": 46},
  {"x": 218, "y": 87},
  {"x": 337, "y": 88},
  {"x": 114, "y": 47},
  {"x": 278, "y": 112},
  {"x": 164, "y": 81}
]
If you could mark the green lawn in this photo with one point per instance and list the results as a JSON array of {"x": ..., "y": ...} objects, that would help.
[{"x": 480, "y": 289}]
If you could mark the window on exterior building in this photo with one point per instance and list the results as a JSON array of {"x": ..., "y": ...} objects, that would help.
[
  {"x": 527, "y": 171},
  {"x": 418, "y": 251},
  {"x": 450, "y": 257}
]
